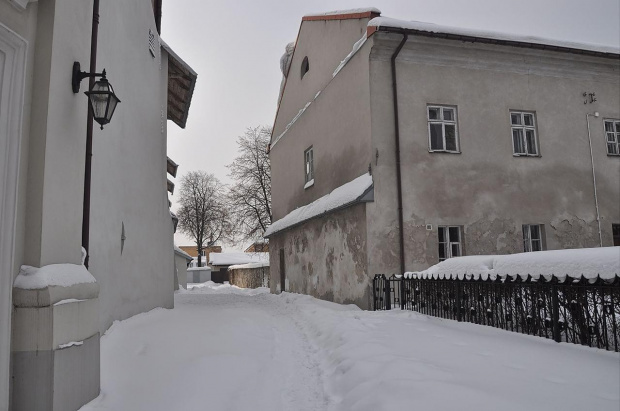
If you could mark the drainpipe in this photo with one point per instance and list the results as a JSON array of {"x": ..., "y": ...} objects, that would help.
[
  {"x": 401, "y": 229},
  {"x": 89, "y": 135},
  {"x": 598, "y": 216}
]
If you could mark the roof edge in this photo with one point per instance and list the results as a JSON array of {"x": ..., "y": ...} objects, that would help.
[
  {"x": 343, "y": 16},
  {"x": 486, "y": 40}
]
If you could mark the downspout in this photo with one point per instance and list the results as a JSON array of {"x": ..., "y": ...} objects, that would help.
[
  {"x": 401, "y": 229},
  {"x": 598, "y": 216},
  {"x": 89, "y": 135}
]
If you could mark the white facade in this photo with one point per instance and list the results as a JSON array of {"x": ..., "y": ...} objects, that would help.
[{"x": 42, "y": 155}]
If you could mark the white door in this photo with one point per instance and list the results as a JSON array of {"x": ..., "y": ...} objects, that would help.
[{"x": 12, "y": 70}]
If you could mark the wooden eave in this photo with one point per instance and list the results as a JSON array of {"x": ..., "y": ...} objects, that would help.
[
  {"x": 171, "y": 167},
  {"x": 170, "y": 186},
  {"x": 181, "y": 83}
]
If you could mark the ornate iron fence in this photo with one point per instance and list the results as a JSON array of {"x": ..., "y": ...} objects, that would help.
[{"x": 579, "y": 311}]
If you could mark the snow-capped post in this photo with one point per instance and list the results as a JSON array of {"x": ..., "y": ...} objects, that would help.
[
  {"x": 555, "y": 303},
  {"x": 388, "y": 299},
  {"x": 402, "y": 292}
]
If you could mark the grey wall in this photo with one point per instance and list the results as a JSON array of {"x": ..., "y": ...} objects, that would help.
[
  {"x": 180, "y": 263},
  {"x": 485, "y": 188},
  {"x": 129, "y": 170},
  {"x": 325, "y": 257},
  {"x": 339, "y": 133}
]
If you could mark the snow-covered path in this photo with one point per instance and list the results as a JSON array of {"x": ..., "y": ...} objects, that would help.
[
  {"x": 215, "y": 351},
  {"x": 223, "y": 348}
]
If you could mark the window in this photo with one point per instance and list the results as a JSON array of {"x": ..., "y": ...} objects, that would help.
[
  {"x": 615, "y": 229},
  {"x": 305, "y": 67},
  {"x": 612, "y": 136},
  {"x": 523, "y": 133},
  {"x": 532, "y": 237},
  {"x": 449, "y": 242},
  {"x": 309, "y": 166},
  {"x": 442, "y": 131}
]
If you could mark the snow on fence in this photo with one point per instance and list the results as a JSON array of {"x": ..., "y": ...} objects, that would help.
[{"x": 577, "y": 310}]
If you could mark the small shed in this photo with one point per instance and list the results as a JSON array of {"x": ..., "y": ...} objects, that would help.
[
  {"x": 252, "y": 275},
  {"x": 220, "y": 263}
]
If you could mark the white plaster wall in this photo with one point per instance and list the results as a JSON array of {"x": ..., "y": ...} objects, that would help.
[{"x": 129, "y": 170}]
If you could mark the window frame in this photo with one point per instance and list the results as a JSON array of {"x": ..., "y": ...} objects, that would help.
[
  {"x": 449, "y": 243},
  {"x": 527, "y": 239},
  {"x": 616, "y": 133},
  {"x": 309, "y": 167},
  {"x": 524, "y": 128},
  {"x": 443, "y": 123}
]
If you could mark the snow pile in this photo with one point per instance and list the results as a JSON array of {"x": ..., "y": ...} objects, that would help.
[
  {"x": 435, "y": 28},
  {"x": 342, "y": 196},
  {"x": 238, "y": 258},
  {"x": 348, "y": 11},
  {"x": 249, "y": 265},
  {"x": 61, "y": 275},
  {"x": 251, "y": 350},
  {"x": 587, "y": 262},
  {"x": 358, "y": 45}
]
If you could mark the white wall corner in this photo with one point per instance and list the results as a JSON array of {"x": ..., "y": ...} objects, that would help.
[{"x": 21, "y": 4}]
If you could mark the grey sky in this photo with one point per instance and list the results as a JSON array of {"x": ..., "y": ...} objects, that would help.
[{"x": 235, "y": 47}]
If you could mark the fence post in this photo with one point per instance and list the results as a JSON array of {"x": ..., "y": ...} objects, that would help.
[
  {"x": 402, "y": 292},
  {"x": 374, "y": 293},
  {"x": 459, "y": 296},
  {"x": 555, "y": 301},
  {"x": 388, "y": 299}
]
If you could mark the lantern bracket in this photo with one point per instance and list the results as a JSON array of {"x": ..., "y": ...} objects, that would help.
[{"x": 79, "y": 75}]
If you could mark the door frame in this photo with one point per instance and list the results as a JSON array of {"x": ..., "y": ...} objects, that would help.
[{"x": 12, "y": 86}]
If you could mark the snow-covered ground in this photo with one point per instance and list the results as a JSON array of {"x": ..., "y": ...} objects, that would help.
[{"x": 224, "y": 348}]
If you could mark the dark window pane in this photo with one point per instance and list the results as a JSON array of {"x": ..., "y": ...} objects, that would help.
[
  {"x": 515, "y": 119},
  {"x": 528, "y": 119},
  {"x": 611, "y": 137},
  {"x": 535, "y": 232},
  {"x": 442, "y": 234},
  {"x": 433, "y": 113},
  {"x": 450, "y": 137},
  {"x": 456, "y": 250},
  {"x": 448, "y": 114},
  {"x": 531, "y": 142},
  {"x": 612, "y": 148},
  {"x": 436, "y": 136},
  {"x": 617, "y": 126},
  {"x": 517, "y": 139},
  {"x": 536, "y": 245},
  {"x": 609, "y": 126},
  {"x": 442, "y": 251},
  {"x": 454, "y": 234}
]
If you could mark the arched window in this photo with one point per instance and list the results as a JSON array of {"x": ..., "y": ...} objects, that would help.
[{"x": 305, "y": 67}]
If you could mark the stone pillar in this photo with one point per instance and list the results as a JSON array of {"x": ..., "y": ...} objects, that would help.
[{"x": 55, "y": 346}]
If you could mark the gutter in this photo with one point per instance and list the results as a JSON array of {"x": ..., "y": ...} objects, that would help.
[
  {"x": 89, "y": 135},
  {"x": 598, "y": 216},
  {"x": 401, "y": 229}
]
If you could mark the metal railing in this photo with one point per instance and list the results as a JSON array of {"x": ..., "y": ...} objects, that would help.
[{"x": 575, "y": 310}]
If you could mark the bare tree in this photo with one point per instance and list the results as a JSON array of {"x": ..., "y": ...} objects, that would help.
[
  {"x": 250, "y": 196},
  {"x": 203, "y": 214}
]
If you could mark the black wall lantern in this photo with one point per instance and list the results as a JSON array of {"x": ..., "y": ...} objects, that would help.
[{"x": 101, "y": 96}]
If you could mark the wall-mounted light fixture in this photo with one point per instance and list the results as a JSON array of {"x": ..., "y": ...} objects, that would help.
[{"x": 101, "y": 96}]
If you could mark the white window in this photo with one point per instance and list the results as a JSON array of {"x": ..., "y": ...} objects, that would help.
[
  {"x": 442, "y": 130},
  {"x": 524, "y": 141},
  {"x": 612, "y": 136},
  {"x": 309, "y": 166},
  {"x": 449, "y": 242},
  {"x": 532, "y": 237}
]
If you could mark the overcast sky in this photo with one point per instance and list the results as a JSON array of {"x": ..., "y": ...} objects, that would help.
[{"x": 235, "y": 47}]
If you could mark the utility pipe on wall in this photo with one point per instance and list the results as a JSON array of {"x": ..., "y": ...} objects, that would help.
[
  {"x": 598, "y": 216},
  {"x": 401, "y": 229},
  {"x": 89, "y": 135}
]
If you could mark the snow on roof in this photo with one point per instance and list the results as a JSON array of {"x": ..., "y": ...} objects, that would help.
[
  {"x": 182, "y": 253},
  {"x": 587, "y": 262},
  {"x": 237, "y": 258},
  {"x": 340, "y": 197},
  {"x": 61, "y": 275},
  {"x": 349, "y": 11},
  {"x": 249, "y": 265},
  {"x": 435, "y": 28}
]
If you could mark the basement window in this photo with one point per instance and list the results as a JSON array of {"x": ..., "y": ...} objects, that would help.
[
  {"x": 305, "y": 67},
  {"x": 442, "y": 129},
  {"x": 532, "y": 237},
  {"x": 449, "y": 242}
]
